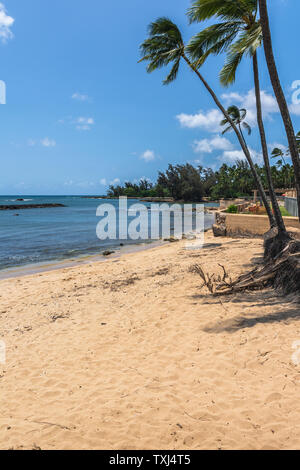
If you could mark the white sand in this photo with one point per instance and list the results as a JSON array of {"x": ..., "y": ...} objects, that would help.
[{"x": 131, "y": 354}]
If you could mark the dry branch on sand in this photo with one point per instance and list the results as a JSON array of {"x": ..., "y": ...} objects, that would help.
[{"x": 212, "y": 281}]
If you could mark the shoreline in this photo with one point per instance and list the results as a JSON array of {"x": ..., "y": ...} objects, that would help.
[
  {"x": 61, "y": 236},
  {"x": 46, "y": 266}
]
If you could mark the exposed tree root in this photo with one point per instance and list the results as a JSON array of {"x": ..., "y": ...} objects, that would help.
[
  {"x": 281, "y": 272},
  {"x": 275, "y": 243}
]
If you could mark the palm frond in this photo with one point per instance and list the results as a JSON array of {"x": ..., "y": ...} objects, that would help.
[
  {"x": 243, "y": 113},
  {"x": 228, "y": 72},
  {"x": 276, "y": 153},
  {"x": 226, "y": 9},
  {"x": 249, "y": 41},
  {"x": 164, "y": 26},
  {"x": 223, "y": 122},
  {"x": 215, "y": 38},
  {"x": 173, "y": 73},
  {"x": 247, "y": 127},
  {"x": 227, "y": 129},
  {"x": 163, "y": 47}
]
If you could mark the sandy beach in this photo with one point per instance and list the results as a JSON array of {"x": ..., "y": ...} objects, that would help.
[{"x": 132, "y": 354}]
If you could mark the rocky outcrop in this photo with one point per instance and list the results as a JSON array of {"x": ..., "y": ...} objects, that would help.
[
  {"x": 220, "y": 218},
  {"x": 219, "y": 230},
  {"x": 17, "y": 207}
]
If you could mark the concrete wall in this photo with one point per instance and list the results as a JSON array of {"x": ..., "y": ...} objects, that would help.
[
  {"x": 253, "y": 224},
  {"x": 290, "y": 203}
]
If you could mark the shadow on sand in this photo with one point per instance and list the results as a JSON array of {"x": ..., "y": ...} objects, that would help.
[{"x": 287, "y": 310}]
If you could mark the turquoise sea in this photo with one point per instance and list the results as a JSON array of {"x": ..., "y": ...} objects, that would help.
[{"x": 54, "y": 234}]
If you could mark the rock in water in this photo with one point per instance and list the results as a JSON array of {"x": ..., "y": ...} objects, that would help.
[
  {"x": 16, "y": 207},
  {"x": 107, "y": 253}
]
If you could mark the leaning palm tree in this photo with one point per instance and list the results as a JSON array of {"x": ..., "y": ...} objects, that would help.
[
  {"x": 286, "y": 117},
  {"x": 165, "y": 46},
  {"x": 239, "y": 24},
  {"x": 277, "y": 152}
]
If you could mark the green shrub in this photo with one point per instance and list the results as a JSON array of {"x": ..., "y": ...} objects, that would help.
[{"x": 233, "y": 209}]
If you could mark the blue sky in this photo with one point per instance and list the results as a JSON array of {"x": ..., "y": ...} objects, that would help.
[{"x": 82, "y": 113}]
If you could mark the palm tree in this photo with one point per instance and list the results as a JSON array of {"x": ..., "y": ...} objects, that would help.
[
  {"x": 240, "y": 24},
  {"x": 278, "y": 153},
  {"x": 281, "y": 163},
  {"x": 267, "y": 40},
  {"x": 165, "y": 46},
  {"x": 238, "y": 116}
]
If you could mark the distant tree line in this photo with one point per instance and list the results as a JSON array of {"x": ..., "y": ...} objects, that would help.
[{"x": 189, "y": 183}]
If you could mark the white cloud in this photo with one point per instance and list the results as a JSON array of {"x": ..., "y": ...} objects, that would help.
[
  {"x": 278, "y": 146},
  {"x": 79, "y": 184},
  {"x": 232, "y": 97},
  {"x": 46, "y": 142},
  {"x": 80, "y": 97},
  {"x": 31, "y": 142},
  {"x": 5, "y": 24},
  {"x": 84, "y": 123},
  {"x": 103, "y": 182},
  {"x": 69, "y": 183},
  {"x": 295, "y": 109},
  {"x": 209, "y": 121},
  {"x": 81, "y": 123},
  {"x": 231, "y": 156},
  {"x": 115, "y": 181},
  {"x": 269, "y": 103},
  {"x": 209, "y": 145},
  {"x": 148, "y": 156},
  {"x": 142, "y": 178},
  {"x": 86, "y": 184},
  {"x": 248, "y": 101}
]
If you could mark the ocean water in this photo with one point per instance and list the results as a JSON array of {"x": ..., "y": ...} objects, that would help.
[{"x": 54, "y": 234}]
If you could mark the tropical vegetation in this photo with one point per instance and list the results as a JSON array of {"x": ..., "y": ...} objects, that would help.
[{"x": 189, "y": 183}]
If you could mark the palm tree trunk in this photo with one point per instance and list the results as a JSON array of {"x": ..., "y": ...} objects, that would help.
[
  {"x": 264, "y": 19},
  {"x": 240, "y": 139},
  {"x": 276, "y": 209},
  {"x": 241, "y": 132}
]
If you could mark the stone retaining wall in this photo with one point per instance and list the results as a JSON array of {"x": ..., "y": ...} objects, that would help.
[{"x": 247, "y": 225}]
